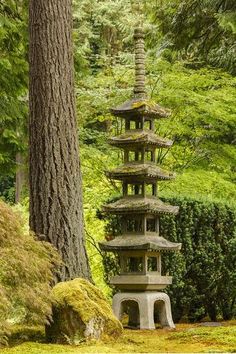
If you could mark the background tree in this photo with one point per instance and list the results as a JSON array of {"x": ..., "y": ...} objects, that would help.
[
  {"x": 202, "y": 32},
  {"x": 13, "y": 96},
  {"x": 56, "y": 210}
]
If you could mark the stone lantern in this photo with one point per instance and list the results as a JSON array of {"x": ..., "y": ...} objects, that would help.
[{"x": 140, "y": 246}]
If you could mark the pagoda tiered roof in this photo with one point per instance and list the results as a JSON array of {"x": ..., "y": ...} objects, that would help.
[
  {"x": 137, "y": 107},
  {"x": 141, "y": 171},
  {"x": 141, "y": 137},
  {"x": 139, "y": 242},
  {"x": 140, "y": 205}
]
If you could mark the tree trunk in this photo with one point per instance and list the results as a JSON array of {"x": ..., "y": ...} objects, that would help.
[{"x": 56, "y": 210}]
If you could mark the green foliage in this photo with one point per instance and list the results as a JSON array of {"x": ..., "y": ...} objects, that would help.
[
  {"x": 202, "y": 32},
  {"x": 14, "y": 82},
  {"x": 202, "y": 127},
  {"x": 103, "y": 32},
  {"x": 183, "y": 38},
  {"x": 202, "y": 101},
  {"x": 97, "y": 190},
  {"x": 200, "y": 183},
  {"x": 204, "y": 272},
  {"x": 26, "y": 270},
  {"x": 203, "y": 115},
  {"x": 7, "y": 190},
  {"x": 202, "y": 124}
]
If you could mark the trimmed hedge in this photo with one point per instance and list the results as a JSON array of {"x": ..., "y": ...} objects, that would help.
[{"x": 204, "y": 272}]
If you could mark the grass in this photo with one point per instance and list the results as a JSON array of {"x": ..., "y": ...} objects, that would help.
[{"x": 185, "y": 339}]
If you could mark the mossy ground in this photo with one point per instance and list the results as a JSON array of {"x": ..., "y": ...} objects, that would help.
[{"x": 185, "y": 339}]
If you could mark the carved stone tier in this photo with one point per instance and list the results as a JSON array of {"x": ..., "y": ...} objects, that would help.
[
  {"x": 136, "y": 204},
  {"x": 139, "y": 242},
  {"x": 148, "y": 172},
  {"x": 141, "y": 282},
  {"x": 137, "y": 107},
  {"x": 140, "y": 270},
  {"x": 139, "y": 87},
  {"x": 139, "y": 137}
]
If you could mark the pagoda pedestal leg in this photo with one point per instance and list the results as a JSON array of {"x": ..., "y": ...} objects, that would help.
[
  {"x": 164, "y": 312},
  {"x": 143, "y": 315},
  {"x": 146, "y": 312}
]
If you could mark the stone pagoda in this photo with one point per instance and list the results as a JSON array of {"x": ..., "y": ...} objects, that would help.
[{"x": 140, "y": 246}]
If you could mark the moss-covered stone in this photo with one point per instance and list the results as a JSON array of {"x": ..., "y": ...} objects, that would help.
[
  {"x": 80, "y": 311},
  {"x": 141, "y": 103}
]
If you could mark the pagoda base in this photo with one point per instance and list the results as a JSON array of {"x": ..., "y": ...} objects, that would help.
[{"x": 142, "y": 307}]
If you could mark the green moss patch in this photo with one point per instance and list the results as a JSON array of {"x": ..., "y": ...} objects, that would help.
[{"x": 185, "y": 339}]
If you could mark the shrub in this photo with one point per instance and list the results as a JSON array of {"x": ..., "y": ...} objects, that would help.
[
  {"x": 204, "y": 277},
  {"x": 26, "y": 270}
]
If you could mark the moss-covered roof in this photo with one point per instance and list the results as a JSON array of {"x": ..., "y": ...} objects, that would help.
[
  {"x": 139, "y": 242},
  {"x": 134, "y": 204},
  {"x": 141, "y": 137},
  {"x": 142, "y": 171},
  {"x": 137, "y": 106}
]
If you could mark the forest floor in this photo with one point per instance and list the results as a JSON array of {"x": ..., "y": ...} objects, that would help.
[{"x": 186, "y": 338}]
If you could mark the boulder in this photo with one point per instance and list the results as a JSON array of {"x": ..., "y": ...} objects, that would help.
[{"x": 80, "y": 311}]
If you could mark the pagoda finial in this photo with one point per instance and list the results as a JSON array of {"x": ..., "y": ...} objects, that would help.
[{"x": 139, "y": 87}]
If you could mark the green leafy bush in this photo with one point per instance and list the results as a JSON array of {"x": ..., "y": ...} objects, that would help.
[
  {"x": 204, "y": 282},
  {"x": 26, "y": 270}
]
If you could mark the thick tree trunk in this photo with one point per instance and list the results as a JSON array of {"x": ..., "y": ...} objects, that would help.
[{"x": 56, "y": 212}]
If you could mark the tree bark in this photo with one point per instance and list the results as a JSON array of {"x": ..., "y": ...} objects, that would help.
[{"x": 56, "y": 208}]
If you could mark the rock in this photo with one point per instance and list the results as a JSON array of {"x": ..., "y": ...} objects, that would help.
[
  {"x": 80, "y": 311},
  {"x": 211, "y": 324}
]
